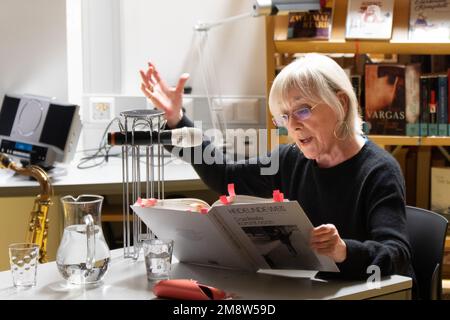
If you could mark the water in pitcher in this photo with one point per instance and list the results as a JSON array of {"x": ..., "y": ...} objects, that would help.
[{"x": 71, "y": 257}]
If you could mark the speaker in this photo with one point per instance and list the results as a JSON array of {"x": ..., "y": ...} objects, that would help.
[{"x": 39, "y": 129}]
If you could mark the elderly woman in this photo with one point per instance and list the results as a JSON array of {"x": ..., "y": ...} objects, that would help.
[{"x": 352, "y": 190}]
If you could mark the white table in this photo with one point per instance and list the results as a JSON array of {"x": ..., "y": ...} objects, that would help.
[
  {"x": 126, "y": 280},
  {"x": 107, "y": 178}
]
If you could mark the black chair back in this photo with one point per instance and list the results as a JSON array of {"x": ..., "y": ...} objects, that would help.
[{"x": 427, "y": 231}]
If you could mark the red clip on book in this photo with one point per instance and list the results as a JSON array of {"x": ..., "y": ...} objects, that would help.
[
  {"x": 231, "y": 195},
  {"x": 278, "y": 196}
]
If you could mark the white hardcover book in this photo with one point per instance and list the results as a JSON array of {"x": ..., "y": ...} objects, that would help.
[
  {"x": 429, "y": 21},
  {"x": 369, "y": 19},
  {"x": 249, "y": 234}
]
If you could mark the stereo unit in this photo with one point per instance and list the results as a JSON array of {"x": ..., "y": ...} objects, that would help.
[{"x": 39, "y": 130}]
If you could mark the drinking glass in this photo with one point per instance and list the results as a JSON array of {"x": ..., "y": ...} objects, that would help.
[
  {"x": 158, "y": 258},
  {"x": 23, "y": 258}
]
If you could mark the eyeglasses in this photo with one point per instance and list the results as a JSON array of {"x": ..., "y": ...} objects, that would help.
[{"x": 301, "y": 114}]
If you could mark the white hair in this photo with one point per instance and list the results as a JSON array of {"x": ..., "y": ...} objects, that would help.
[{"x": 318, "y": 79}]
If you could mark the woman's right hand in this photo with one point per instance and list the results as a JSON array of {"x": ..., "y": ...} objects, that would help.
[{"x": 165, "y": 98}]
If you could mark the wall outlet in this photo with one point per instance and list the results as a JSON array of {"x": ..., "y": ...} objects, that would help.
[
  {"x": 101, "y": 109},
  {"x": 247, "y": 111},
  {"x": 239, "y": 110}
]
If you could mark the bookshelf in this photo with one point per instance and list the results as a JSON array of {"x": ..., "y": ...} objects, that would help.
[
  {"x": 410, "y": 141},
  {"x": 277, "y": 42},
  {"x": 399, "y": 42},
  {"x": 423, "y": 174}
]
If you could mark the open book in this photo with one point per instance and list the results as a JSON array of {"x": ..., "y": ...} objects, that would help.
[{"x": 250, "y": 233}]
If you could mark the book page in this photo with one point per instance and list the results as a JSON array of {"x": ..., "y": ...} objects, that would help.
[
  {"x": 182, "y": 204},
  {"x": 241, "y": 199},
  {"x": 197, "y": 238},
  {"x": 275, "y": 234}
]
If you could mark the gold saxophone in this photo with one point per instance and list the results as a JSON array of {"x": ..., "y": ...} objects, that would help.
[{"x": 38, "y": 227}]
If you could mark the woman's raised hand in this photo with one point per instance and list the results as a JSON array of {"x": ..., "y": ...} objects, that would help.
[{"x": 165, "y": 98}]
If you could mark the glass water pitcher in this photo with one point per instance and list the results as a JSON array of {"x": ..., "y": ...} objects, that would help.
[{"x": 83, "y": 255}]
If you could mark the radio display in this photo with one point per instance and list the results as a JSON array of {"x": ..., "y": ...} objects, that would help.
[{"x": 23, "y": 146}]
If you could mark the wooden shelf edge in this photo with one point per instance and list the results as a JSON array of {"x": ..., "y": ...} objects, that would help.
[
  {"x": 386, "y": 140},
  {"x": 435, "y": 141},
  {"x": 410, "y": 141},
  {"x": 361, "y": 46},
  {"x": 395, "y": 140}
]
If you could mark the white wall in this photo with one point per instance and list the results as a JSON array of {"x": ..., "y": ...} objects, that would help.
[
  {"x": 33, "y": 55},
  {"x": 162, "y": 31},
  {"x": 101, "y": 29},
  {"x": 118, "y": 37}
]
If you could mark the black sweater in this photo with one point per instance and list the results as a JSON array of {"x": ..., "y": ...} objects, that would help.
[{"x": 364, "y": 197}]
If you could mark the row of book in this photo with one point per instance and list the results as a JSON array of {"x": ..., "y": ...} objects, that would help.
[
  {"x": 399, "y": 100},
  {"x": 428, "y": 21}
]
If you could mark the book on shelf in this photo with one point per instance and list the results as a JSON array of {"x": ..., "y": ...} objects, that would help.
[
  {"x": 440, "y": 189},
  {"x": 424, "y": 104},
  {"x": 312, "y": 24},
  {"x": 438, "y": 104},
  {"x": 429, "y": 20},
  {"x": 412, "y": 99},
  {"x": 434, "y": 105},
  {"x": 369, "y": 19},
  {"x": 442, "y": 109},
  {"x": 249, "y": 233},
  {"x": 357, "y": 83},
  {"x": 448, "y": 102},
  {"x": 385, "y": 99}
]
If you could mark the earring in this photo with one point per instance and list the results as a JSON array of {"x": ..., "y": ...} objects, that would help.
[{"x": 343, "y": 130}]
